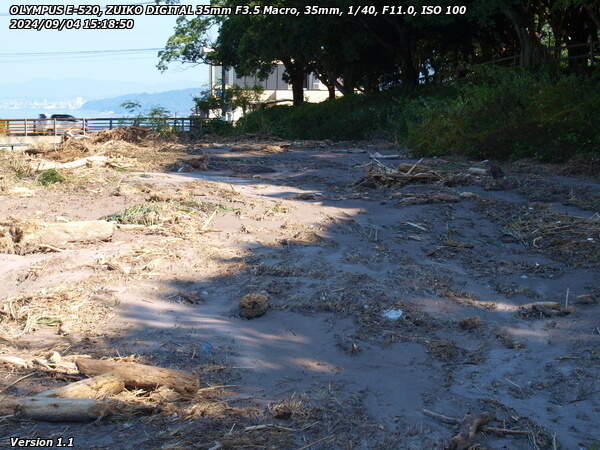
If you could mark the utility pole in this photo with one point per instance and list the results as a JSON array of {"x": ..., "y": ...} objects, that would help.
[{"x": 223, "y": 84}]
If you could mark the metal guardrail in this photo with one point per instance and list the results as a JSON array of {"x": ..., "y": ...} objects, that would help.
[{"x": 60, "y": 127}]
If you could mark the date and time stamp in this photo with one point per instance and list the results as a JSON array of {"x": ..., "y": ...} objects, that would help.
[{"x": 122, "y": 17}]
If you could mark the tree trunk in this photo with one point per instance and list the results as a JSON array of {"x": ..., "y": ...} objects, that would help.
[
  {"x": 298, "y": 87},
  {"x": 531, "y": 52},
  {"x": 136, "y": 375},
  {"x": 331, "y": 89},
  {"x": 579, "y": 31},
  {"x": 296, "y": 73},
  {"x": 410, "y": 75},
  {"x": 594, "y": 18}
]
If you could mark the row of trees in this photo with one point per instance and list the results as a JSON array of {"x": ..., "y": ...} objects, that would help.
[{"x": 370, "y": 53}]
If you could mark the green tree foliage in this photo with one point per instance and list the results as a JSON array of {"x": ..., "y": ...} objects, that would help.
[
  {"x": 370, "y": 53},
  {"x": 247, "y": 99}
]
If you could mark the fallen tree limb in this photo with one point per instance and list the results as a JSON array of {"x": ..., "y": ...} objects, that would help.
[
  {"x": 15, "y": 361},
  {"x": 21, "y": 237},
  {"x": 98, "y": 387},
  {"x": 142, "y": 376},
  {"x": 89, "y": 161},
  {"x": 55, "y": 409},
  {"x": 484, "y": 428}
]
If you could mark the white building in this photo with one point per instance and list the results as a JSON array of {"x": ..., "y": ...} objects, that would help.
[{"x": 276, "y": 90}]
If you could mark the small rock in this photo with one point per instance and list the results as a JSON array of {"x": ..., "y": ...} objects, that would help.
[
  {"x": 477, "y": 171},
  {"x": 253, "y": 305},
  {"x": 307, "y": 196},
  {"x": 470, "y": 324},
  {"x": 124, "y": 190},
  {"x": 22, "y": 191},
  {"x": 159, "y": 196},
  {"x": 468, "y": 195}
]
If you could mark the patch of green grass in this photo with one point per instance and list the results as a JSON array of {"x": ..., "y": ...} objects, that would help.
[
  {"x": 277, "y": 208},
  {"x": 206, "y": 207},
  {"x": 144, "y": 175},
  {"x": 142, "y": 214},
  {"x": 50, "y": 176}
]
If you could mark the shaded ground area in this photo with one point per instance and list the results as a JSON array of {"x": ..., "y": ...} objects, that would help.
[{"x": 385, "y": 298}]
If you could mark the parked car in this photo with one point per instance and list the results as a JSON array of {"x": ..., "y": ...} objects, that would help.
[{"x": 65, "y": 123}]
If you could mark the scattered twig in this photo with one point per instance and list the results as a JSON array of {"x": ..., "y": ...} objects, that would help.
[
  {"x": 485, "y": 428},
  {"x": 217, "y": 387},
  {"x": 4, "y": 389},
  {"x": 413, "y": 167},
  {"x": 208, "y": 221},
  {"x": 51, "y": 247},
  {"x": 270, "y": 425},
  {"x": 326, "y": 438},
  {"x": 416, "y": 225}
]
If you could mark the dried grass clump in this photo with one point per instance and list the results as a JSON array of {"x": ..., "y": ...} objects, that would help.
[
  {"x": 587, "y": 166},
  {"x": 573, "y": 239},
  {"x": 16, "y": 164},
  {"x": 380, "y": 175},
  {"x": 134, "y": 135},
  {"x": 253, "y": 305},
  {"x": 68, "y": 308}
]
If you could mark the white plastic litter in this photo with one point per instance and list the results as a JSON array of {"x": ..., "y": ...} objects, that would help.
[{"x": 392, "y": 314}]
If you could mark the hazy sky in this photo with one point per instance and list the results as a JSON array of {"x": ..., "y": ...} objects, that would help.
[{"x": 149, "y": 32}]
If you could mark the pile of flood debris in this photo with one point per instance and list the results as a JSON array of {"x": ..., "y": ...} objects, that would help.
[{"x": 380, "y": 175}]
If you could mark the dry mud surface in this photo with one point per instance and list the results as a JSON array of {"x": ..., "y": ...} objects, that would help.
[{"x": 329, "y": 366}]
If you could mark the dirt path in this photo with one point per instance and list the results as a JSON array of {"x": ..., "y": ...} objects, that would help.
[{"x": 337, "y": 262}]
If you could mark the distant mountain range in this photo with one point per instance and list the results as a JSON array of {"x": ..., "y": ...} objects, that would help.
[
  {"x": 177, "y": 102},
  {"x": 89, "y": 89}
]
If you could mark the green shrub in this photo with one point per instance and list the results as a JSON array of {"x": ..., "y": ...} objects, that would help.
[
  {"x": 50, "y": 176},
  {"x": 349, "y": 117},
  {"x": 511, "y": 113},
  {"x": 216, "y": 126}
]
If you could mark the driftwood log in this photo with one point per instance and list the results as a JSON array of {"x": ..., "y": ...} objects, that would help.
[
  {"x": 88, "y": 161},
  {"x": 96, "y": 388},
  {"x": 55, "y": 409},
  {"x": 142, "y": 376},
  {"x": 21, "y": 237}
]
